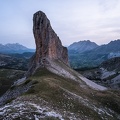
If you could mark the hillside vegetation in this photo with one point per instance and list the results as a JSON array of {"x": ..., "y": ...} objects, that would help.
[{"x": 64, "y": 97}]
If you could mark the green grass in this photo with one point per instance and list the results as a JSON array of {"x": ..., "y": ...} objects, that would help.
[
  {"x": 48, "y": 87},
  {"x": 51, "y": 88},
  {"x": 110, "y": 99},
  {"x": 7, "y": 77}
]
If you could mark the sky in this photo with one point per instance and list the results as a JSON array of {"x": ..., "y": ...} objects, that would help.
[{"x": 72, "y": 20}]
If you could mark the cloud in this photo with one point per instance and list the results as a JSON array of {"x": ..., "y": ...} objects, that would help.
[
  {"x": 107, "y": 5},
  {"x": 96, "y": 20}
]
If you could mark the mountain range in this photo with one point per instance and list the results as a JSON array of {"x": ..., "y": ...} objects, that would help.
[
  {"x": 93, "y": 57},
  {"x": 82, "y": 46},
  {"x": 82, "y": 55},
  {"x": 14, "y": 48}
]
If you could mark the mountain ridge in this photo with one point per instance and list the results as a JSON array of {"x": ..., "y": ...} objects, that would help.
[
  {"x": 112, "y": 46},
  {"x": 14, "y": 48},
  {"x": 94, "y": 57},
  {"x": 82, "y": 46}
]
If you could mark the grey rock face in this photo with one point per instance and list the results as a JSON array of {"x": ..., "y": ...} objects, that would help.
[
  {"x": 107, "y": 74},
  {"x": 48, "y": 44}
]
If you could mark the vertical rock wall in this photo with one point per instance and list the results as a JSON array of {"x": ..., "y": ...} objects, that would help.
[{"x": 48, "y": 44}]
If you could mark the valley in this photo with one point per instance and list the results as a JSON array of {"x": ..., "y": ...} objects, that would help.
[{"x": 93, "y": 57}]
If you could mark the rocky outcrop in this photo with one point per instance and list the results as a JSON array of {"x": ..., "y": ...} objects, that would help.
[
  {"x": 48, "y": 44},
  {"x": 112, "y": 64},
  {"x": 107, "y": 74}
]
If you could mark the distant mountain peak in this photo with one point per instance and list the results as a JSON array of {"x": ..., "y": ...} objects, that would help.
[
  {"x": 93, "y": 57},
  {"x": 85, "y": 41},
  {"x": 12, "y": 44},
  {"x": 82, "y": 46},
  {"x": 114, "y": 41},
  {"x": 14, "y": 48}
]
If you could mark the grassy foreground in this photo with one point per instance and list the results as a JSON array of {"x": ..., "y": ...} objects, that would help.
[{"x": 67, "y": 97}]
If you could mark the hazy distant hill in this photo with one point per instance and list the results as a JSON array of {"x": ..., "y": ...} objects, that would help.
[
  {"x": 113, "y": 46},
  {"x": 13, "y": 62},
  {"x": 96, "y": 56},
  {"x": 14, "y": 48},
  {"x": 82, "y": 46}
]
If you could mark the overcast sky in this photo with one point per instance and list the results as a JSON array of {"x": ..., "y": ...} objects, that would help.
[{"x": 72, "y": 20}]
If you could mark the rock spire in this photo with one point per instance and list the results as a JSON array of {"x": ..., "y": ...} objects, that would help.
[{"x": 48, "y": 44}]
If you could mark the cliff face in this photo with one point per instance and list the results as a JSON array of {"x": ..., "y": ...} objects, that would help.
[{"x": 48, "y": 44}]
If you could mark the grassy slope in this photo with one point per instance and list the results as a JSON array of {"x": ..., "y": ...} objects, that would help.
[
  {"x": 66, "y": 95},
  {"x": 7, "y": 77}
]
